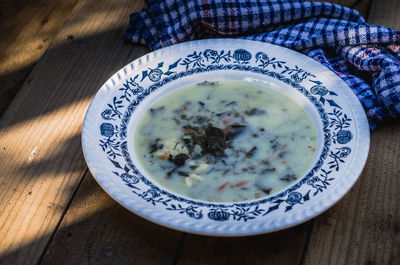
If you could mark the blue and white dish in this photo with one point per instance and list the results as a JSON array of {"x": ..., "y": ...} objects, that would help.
[{"x": 342, "y": 128}]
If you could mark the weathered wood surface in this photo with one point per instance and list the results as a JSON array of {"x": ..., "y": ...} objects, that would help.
[
  {"x": 41, "y": 159},
  {"x": 26, "y": 31},
  {"x": 97, "y": 230},
  {"x": 53, "y": 212},
  {"x": 364, "y": 227}
]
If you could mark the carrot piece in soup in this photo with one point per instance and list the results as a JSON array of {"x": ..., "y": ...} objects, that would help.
[
  {"x": 241, "y": 183},
  {"x": 223, "y": 186},
  {"x": 226, "y": 121}
]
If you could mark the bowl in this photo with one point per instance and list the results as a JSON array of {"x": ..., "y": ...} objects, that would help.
[{"x": 113, "y": 115}]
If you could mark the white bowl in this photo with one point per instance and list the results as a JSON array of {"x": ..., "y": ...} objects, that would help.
[{"x": 342, "y": 128}]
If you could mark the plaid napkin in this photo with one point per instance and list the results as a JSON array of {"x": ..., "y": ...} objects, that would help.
[{"x": 366, "y": 57}]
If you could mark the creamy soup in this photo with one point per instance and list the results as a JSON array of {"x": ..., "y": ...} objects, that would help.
[{"x": 225, "y": 141}]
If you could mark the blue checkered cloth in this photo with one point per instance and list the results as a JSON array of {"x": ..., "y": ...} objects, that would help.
[{"x": 366, "y": 57}]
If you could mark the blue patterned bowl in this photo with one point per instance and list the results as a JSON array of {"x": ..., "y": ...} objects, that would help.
[{"x": 343, "y": 135}]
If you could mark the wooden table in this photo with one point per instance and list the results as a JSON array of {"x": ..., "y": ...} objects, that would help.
[{"x": 54, "y": 57}]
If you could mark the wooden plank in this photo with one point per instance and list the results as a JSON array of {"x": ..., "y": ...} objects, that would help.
[
  {"x": 26, "y": 30},
  {"x": 40, "y": 154},
  {"x": 97, "y": 230},
  {"x": 364, "y": 228},
  {"x": 285, "y": 247}
]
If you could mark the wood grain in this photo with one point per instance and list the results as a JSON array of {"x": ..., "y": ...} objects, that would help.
[
  {"x": 97, "y": 230},
  {"x": 26, "y": 30},
  {"x": 285, "y": 247},
  {"x": 40, "y": 152},
  {"x": 364, "y": 228}
]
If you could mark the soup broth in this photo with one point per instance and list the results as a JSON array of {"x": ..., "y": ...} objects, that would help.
[{"x": 225, "y": 141}]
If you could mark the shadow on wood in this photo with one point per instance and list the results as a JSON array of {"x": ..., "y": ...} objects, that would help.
[{"x": 96, "y": 230}]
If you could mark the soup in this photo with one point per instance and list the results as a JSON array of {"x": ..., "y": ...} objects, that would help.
[{"x": 225, "y": 141}]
